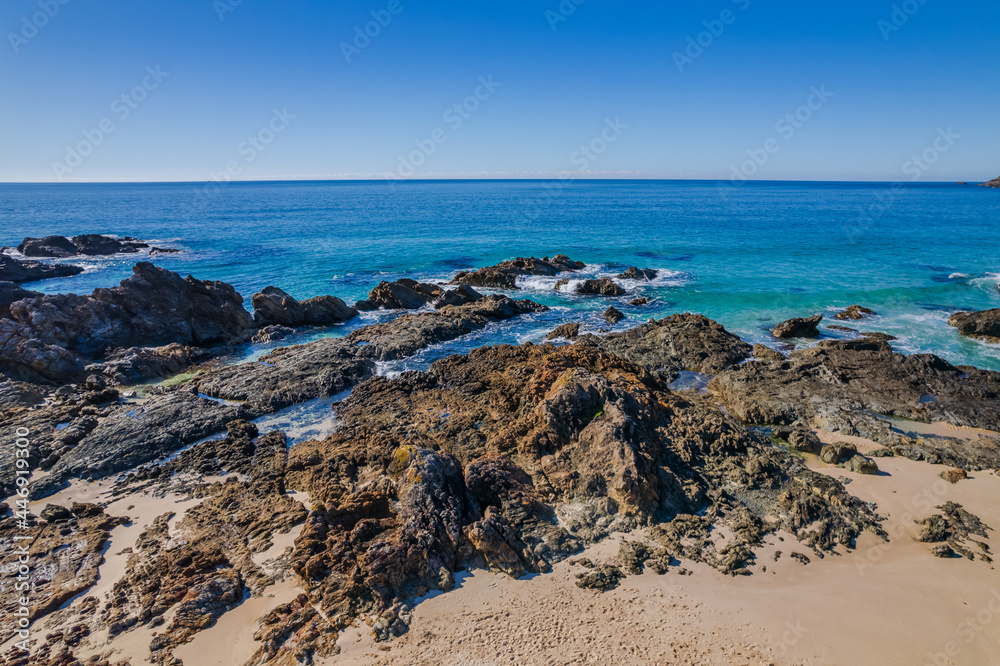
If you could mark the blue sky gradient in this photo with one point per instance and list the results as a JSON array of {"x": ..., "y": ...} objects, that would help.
[{"x": 262, "y": 89}]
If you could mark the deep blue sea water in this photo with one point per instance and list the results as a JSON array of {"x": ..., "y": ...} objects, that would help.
[{"x": 747, "y": 257}]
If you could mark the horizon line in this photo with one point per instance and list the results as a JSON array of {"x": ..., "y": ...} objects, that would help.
[{"x": 402, "y": 181}]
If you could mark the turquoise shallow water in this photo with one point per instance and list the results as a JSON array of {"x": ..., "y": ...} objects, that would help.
[{"x": 748, "y": 257}]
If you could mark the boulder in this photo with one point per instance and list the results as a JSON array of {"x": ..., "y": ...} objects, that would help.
[
  {"x": 859, "y": 464},
  {"x": 400, "y": 295},
  {"x": 983, "y": 325},
  {"x": 460, "y": 296},
  {"x": 272, "y": 306},
  {"x": 272, "y": 334},
  {"x": 804, "y": 441},
  {"x": 565, "y": 331},
  {"x": 853, "y": 312},
  {"x": 14, "y": 270},
  {"x": 633, "y": 273},
  {"x": 798, "y": 328},
  {"x": 613, "y": 315},
  {"x": 600, "y": 287},
  {"x": 638, "y": 301},
  {"x": 504, "y": 275},
  {"x": 50, "y": 246},
  {"x": 838, "y": 452}
]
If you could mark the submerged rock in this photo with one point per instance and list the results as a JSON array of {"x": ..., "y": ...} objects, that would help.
[
  {"x": 15, "y": 270},
  {"x": 504, "y": 275},
  {"x": 798, "y": 328},
  {"x": 983, "y": 325},
  {"x": 272, "y": 306}
]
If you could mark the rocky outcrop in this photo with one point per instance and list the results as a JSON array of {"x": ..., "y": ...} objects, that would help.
[
  {"x": 137, "y": 364},
  {"x": 460, "y": 296},
  {"x": 633, "y": 273},
  {"x": 600, "y": 287},
  {"x": 471, "y": 462},
  {"x": 272, "y": 306},
  {"x": 11, "y": 292},
  {"x": 567, "y": 331},
  {"x": 955, "y": 528},
  {"x": 504, "y": 275},
  {"x": 400, "y": 295},
  {"x": 88, "y": 244},
  {"x": 25, "y": 358},
  {"x": 993, "y": 183},
  {"x": 15, "y": 270},
  {"x": 843, "y": 386},
  {"x": 765, "y": 353},
  {"x": 153, "y": 307},
  {"x": 854, "y": 312},
  {"x": 982, "y": 325},
  {"x": 613, "y": 315},
  {"x": 798, "y": 328},
  {"x": 680, "y": 342}
]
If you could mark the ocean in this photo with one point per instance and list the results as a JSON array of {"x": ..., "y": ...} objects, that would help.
[{"x": 748, "y": 256}]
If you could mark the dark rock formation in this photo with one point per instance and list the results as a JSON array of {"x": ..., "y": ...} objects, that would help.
[
  {"x": 853, "y": 312},
  {"x": 638, "y": 301},
  {"x": 566, "y": 331},
  {"x": 153, "y": 307},
  {"x": 504, "y": 275},
  {"x": 956, "y": 527},
  {"x": 681, "y": 342},
  {"x": 468, "y": 463},
  {"x": 88, "y": 244},
  {"x": 400, "y": 295},
  {"x": 272, "y": 306},
  {"x": 983, "y": 325},
  {"x": 993, "y": 183},
  {"x": 861, "y": 465},
  {"x": 14, "y": 270},
  {"x": 272, "y": 334},
  {"x": 137, "y": 364},
  {"x": 798, "y": 328},
  {"x": 613, "y": 315},
  {"x": 460, "y": 296},
  {"x": 600, "y": 287},
  {"x": 838, "y": 452},
  {"x": 843, "y": 386},
  {"x": 633, "y": 273},
  {"x": 10, "y": 292}
]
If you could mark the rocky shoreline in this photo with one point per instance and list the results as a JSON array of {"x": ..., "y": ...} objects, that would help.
[{"x": 511, "y": 458}]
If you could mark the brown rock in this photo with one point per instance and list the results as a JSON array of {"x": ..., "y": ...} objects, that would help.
[{"x": 798, "y": 328}]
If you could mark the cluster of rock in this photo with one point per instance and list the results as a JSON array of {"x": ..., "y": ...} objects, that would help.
[
  {"x": 408, "y": 294},
  {"x": 86, "y": 245},
  {"x": 17, "y": 271},
  {"x": 504, "y": 275}
]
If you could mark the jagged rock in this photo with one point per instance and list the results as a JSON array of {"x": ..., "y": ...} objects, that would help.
[
  {"x": 983, "y": 325},
  {"x": 681, "y": 342},
  {"x": 955, "y": 527},
  {"x": 861, "y": 465},
  {"x": 460, "y": 296},
  {"x": 400, "y": 295},
  {"x": 600, "y": 287},
  {"x": 566, "y": 331},
  {"x": 602, "y": 578},
  {"x": 765, "y": 353},
  {"x": 539, "y": 431},
  {"x": 10, "y": 292},
  {"x": 25, "y": 358},
  {"x": 804, "y": 441},
  {"x": 14, "y": 270},
  {"x": 613, "y": 315},
  {"x": 633, "y": 273},
  {"x": 272, "y": 334},
  {"x": 838, "y": 452},
  {"x": 272, "y": 306},
  {"x": 638, "y": 301},
  {"x": 853, "y": 312},
  {"x": 943, "y": 550},
  {"x": 137, "y": 364},
  {"x": 152, "y": 307},
  {"x": 504, "y": 275},
  {"x": 88, "y": 244},
  {"x": 798, "y": 328},
  {"x": 842, "y": 386}
]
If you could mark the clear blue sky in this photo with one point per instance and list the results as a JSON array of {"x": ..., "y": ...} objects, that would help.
[{"x": 561, "y": 81}]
